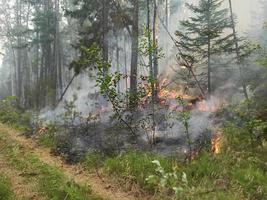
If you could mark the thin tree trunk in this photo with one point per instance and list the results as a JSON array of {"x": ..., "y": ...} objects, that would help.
[
  {"x": 117, "y": 57},
  {"x": 209, "y": 68},
  {"x": 239, "y": 60},
  {"x": 155, "y": 49},
  {"x": 105, "y": 21},
  {"x": 57, "y": 58},
  {"x": 19, "y": 55},
  {"x": 167, "y": 13},
  {"x": 209, "y": 54},
  {"x": 134, "y": 56},
  {"x": 125, "y": 70},
  {"x": 150, "y": 58}
]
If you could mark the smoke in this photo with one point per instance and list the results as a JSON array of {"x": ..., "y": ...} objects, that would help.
[{"x": 86, "y": 99}]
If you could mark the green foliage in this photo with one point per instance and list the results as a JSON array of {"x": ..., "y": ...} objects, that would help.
[
  {"x": 134, "y": 167},
  {"x": 204, "y": 35},
  {"x": 207, "y": 26},
  {"x": 71, "y": 115},
  {"x": 93, "y": 160},
  {"x": 170, "y": 181},
  {"x": 145, "y": 49},
  {"x": 5, "y": 188},
  {"x": 50, "y": 182},
  {"x": 238, "y": 172},
  {"x": 48, "y": 139},
  {"x": 184, "y": 116},
  {"x": 249, "y": 168},
  {"x": 254, "y": 128},
  {"x": 10, "y": 114},
  {"x": 54, "y": 186}
]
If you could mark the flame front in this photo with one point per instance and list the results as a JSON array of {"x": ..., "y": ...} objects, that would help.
[{"x": 216, "y": 142}]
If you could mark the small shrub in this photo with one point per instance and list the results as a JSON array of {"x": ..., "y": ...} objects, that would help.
[
  {"x": 48, "y": 139},
  {"x": 171, "y": 181},
  {"x": 12, "y": 115},
  {"x": 135, "y": 167}
]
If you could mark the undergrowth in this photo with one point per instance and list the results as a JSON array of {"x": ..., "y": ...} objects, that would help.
[
  {"x": 12, "y": 115},
  {"x": 5, "y": 188},
  {"x": 50, "y": 181},
  {"x": 238, "y": 172}
]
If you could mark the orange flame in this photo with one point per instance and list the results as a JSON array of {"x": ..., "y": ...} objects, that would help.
[
  {"x": 165, "y": 93},
  {"x": 216, "y": 142},
  {"x": 204, "y": 107}
]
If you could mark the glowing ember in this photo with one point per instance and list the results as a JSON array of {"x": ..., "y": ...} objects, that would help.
[
  {"x": 43, "y": 130},
  {"x": 204, "y": 107},
  {"x": 216, "y": 142},
  {"x": 168, "y": 94},
  {"x": 165, "y": 93}
]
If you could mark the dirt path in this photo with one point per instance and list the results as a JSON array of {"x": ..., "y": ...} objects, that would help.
[
  {"x": 75, "y": 172},
  {"x": 23, "y": 189}
]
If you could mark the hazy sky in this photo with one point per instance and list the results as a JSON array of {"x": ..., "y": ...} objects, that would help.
[
  {"x": 248, "y": 13},
  {"x": 244, "y": 10}
]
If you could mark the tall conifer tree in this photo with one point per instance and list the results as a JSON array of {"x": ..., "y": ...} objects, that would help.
[{"x": 204, "y": 35}]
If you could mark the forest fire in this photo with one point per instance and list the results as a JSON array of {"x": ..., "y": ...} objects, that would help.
[
  {"x": 165, "y": 93},
  {"x": 205, "y": 107},
  {"x": 43, "y": 130},
  {"x": 216, "y": 142},
  {"x": 199, "y": 103},
  {"x": 167, "y": 96}
]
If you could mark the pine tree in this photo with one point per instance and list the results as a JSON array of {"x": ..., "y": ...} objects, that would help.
[{"x": 204, "y": 36}]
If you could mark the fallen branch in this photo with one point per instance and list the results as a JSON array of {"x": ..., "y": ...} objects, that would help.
[{"x": 66, "y": 89}]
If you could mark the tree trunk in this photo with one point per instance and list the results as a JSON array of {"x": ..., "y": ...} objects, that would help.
[
  {"x": 57, "y": 56},
  {"x": 155, "y": 49},
  {"x": 134, "y": 55},
  {"x": 209, "y": 68},
  {"x": 105, "y": 21},
  {"x": 209, "y": 53},
  {"x": 19, "y": 55},
  {"x": 117, "y": 57},
  {"x": 167, "y": 13},
  {"x": 239, "y": 61}
]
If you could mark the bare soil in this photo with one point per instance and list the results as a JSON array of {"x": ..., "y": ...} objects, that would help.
[{"x": 99, "y": 185}]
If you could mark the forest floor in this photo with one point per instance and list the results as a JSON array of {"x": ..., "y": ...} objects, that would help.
[{"x": 20, "y": 161}]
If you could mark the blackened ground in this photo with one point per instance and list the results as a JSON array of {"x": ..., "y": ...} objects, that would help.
[{"x": 75, "y": 142}]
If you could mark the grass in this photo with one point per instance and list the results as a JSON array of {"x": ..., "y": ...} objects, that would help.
[
  {"x": 47, "y": 140},
  {"x": 130, "y": 168},
  {"x": 238, "y": 172},
  {"x": 50, "y": 182},
  {"x": 136, "y": 166},
  {"x": 5, "y": 188}
]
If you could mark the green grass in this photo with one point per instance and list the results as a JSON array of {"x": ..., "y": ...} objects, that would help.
[
  {"x": 5, "y": 188},
  {"x": 132, "y": 167},
  {"x": 50, "y": 181},
  {"x": 47, "y": 140},
  {"x": 238, "y": 172}
]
